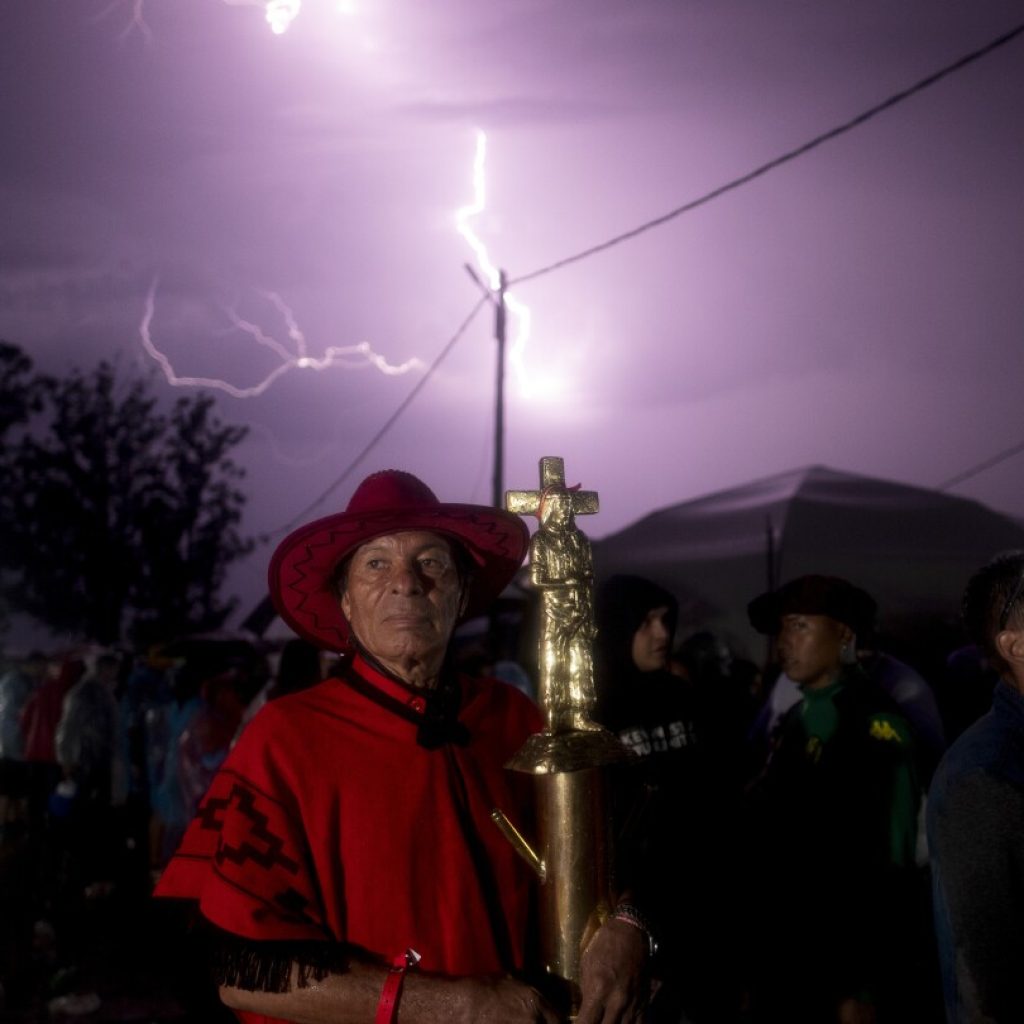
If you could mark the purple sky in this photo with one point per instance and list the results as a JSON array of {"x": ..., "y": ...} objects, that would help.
[{"x": 860, "y": 307}]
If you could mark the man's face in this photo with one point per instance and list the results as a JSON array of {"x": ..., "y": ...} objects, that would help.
[
  {"x": 402, "y": 598},
  {"x": 651, "y": 640},
  {"x": 810, "y": 648}
]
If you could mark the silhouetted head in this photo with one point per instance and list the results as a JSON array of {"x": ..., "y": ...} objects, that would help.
[{"x": 993, "y": 613}]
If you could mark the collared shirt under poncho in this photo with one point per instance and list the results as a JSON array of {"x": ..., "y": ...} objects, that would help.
[{"x": 330, "y": 822}]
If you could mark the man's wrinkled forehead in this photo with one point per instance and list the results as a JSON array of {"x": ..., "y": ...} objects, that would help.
[
  {"x": 386, "y": 542},
  {"x": 419, "y": 540}
]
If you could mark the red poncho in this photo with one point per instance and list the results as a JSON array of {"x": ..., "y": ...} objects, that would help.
[{"x": 328, "y": 821}]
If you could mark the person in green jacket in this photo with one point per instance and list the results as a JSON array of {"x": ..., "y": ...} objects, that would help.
[{"x": 834, "y": 818}]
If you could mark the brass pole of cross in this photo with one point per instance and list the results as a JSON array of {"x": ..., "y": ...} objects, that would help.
[{"x": 573, "y": 854}]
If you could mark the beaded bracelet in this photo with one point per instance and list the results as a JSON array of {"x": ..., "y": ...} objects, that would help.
[{"x": 631, "y": 914}]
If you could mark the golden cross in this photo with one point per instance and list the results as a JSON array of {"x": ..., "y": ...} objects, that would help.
[{"x": 552, "y": 480}]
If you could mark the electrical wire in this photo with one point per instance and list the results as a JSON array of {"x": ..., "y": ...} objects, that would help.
[
  {"x": 818, "y": 140},
  {"x": 1008, "y": 453},
  {"x": 420, "y": 384}
]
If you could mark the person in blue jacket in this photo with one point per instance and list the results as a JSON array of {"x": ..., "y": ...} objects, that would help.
[{"x": 975, "y": 818}]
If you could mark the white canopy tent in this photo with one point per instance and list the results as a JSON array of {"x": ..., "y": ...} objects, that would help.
[{"x": 911, "y": 548}]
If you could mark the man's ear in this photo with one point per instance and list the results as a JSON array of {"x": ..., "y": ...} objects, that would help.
[
  {"x": 1010, "y": 644},
  {"x": 346, "y": 605}
]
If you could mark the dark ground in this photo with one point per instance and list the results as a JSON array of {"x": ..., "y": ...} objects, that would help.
[{"x": 125, "y": 949}]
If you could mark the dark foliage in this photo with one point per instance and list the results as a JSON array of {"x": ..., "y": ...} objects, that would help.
[
  {"x": 119, "y": 517},
  {"x": 20, "y": 388}
]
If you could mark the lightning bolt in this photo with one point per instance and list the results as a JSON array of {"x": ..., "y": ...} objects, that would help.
[
  {"x": 279, "y": 14},
  {"x": 136, "y": 21},
  {"x": 520, "y": 312},
  {"x": 319, "y": 453},
  {"x": 361, "y": 355},
  {"x": 356, "y": 356}
]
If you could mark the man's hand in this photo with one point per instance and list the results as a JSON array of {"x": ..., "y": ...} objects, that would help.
[{"x": 615, "y": 982}]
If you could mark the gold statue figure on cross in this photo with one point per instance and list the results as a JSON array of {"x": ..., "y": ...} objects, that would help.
[
  {"x": 572, "y": 852},
  {"x": 562, "y": 570}
]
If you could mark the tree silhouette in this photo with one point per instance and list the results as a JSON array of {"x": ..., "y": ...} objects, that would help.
[
  {"x": 124, "y": 517},
  {"x": 19, "y": 388},
  {"x": 20, "y": 398}
]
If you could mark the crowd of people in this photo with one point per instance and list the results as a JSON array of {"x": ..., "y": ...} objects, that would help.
[
  {"x": 826, "y": 837},
  {"x": 105, "y": 755}
]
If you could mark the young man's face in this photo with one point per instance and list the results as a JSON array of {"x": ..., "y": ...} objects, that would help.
[
  {"x": 651, "y": 640},
  {"x": 810, "y": 648}
]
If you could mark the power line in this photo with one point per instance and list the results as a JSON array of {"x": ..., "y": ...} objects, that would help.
[
  {"x": 981, "y": 466},
  {"x": 757, "y": 172},
  {"x": 818, "y": 140},
  {"x": 387, "y": 425}
]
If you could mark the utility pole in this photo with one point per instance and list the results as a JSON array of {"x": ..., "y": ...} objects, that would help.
[
  {"x": 497, "y": 299},
  {"x": 772, "y": 573},
  {"x": 500, "y": 320}
]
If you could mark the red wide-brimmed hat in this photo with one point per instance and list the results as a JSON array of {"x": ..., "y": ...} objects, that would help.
[{"x": 388, "y": 502}]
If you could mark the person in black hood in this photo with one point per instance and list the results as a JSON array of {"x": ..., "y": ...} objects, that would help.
[
  {"x": 638, "y": 698},
  {"x": 669, "y": 805}
]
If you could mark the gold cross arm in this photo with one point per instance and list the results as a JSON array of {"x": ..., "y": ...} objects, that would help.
[{"x": 552, "y": 478}]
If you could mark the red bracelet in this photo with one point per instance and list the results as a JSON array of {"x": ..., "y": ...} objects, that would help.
[{"x": 387, "y": 1008}]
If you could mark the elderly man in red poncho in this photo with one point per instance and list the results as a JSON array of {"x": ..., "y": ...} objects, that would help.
[{"x": 344, "y": 854}]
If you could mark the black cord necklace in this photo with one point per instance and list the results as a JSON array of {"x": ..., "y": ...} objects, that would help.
[{"x": 437, "y": 724}]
